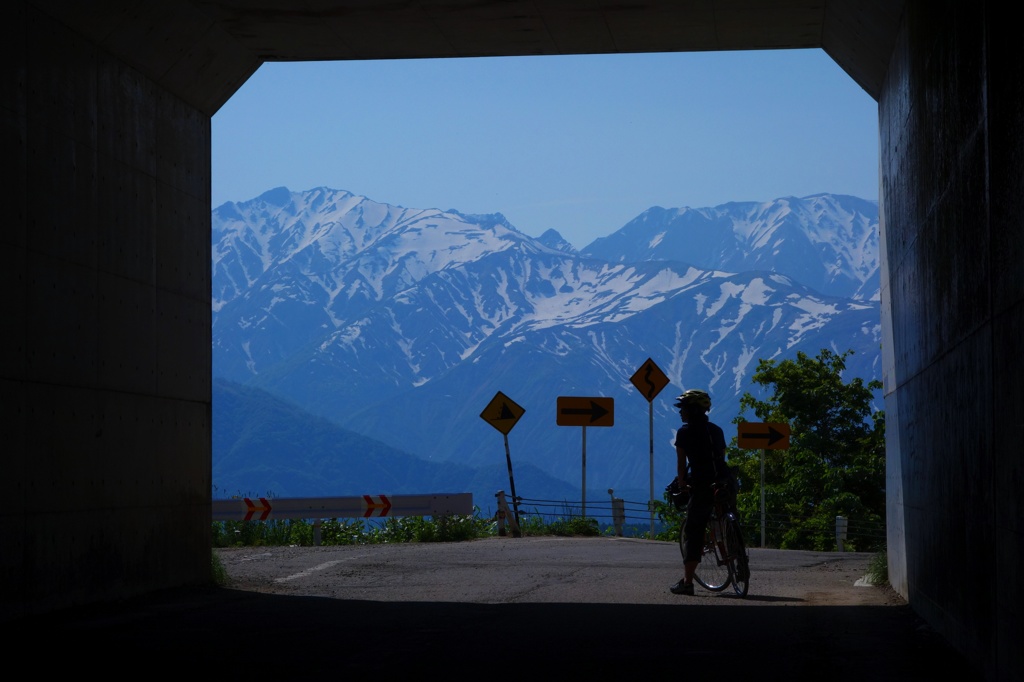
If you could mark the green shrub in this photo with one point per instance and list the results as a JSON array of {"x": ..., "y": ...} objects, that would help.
[
  {"x": 461, "y": 528},
  {"x": 454, "y": 528},
  {"x": 670, "y": 517},
  {"x": 573, "y": 526},
  {"x": 570, "y": 524},
  {"x": 259, "y": 533},
  {"x": 401, "y": 529},
  {"x": 343, "y": 532},
  {"x": 532, "y": 525}
]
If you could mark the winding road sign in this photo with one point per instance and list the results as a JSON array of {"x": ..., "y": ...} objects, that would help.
[
  {"x": 763, "y": 436},
  {"x": 649, "y": 380},
  {"x": 502, "y": 413},
  {"x": 573, "y": 411}
]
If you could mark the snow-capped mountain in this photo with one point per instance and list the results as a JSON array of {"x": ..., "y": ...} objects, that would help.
[
  {"x": 827, "y": 242},
  {"x": 402, "y": 324}
]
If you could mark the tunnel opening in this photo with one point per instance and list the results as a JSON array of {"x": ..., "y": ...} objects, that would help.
[{"x": 611, "y": 126}]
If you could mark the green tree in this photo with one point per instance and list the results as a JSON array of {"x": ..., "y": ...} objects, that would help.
[{"x": 835, "y": 465}]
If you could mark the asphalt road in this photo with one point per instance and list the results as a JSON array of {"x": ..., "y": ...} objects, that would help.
[
  {"x": 523, "y": 607},
  {"x": 535, "y": 570}
]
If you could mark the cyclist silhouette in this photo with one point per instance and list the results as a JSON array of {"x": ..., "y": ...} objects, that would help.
[{"x": 700, "y": 460}]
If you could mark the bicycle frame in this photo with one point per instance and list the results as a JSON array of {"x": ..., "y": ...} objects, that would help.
[{"x": 724, "y": 559}]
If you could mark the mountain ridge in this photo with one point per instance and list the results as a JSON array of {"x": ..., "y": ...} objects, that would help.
[{"x": 403, "y": 323}]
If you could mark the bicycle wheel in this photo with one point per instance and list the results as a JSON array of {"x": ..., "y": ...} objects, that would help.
[
  {"x": 739, "y": 566},
  {"x": 712, "y": 573}
]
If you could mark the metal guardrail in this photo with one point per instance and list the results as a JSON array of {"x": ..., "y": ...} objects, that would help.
[
  {"x": 445, "y": 504},
  {"x": 363, "y": 506},
  {"x": 319, "y": 508},
  {"x": 619, "y": 512}
]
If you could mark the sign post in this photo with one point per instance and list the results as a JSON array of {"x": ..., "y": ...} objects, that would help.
[
  {"x": 573, "y": 411},
  {"x": 650, "y": 380},
  {"x": 752, "y": 436},
  {"x": 503, "y": 413}
]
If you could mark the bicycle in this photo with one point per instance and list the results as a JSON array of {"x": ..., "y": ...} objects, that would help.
[{"x": 724, "y": 560}]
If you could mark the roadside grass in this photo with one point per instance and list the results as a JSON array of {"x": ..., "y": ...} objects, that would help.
[
  {"x": 301, "y": 532},
  {"x": 571, "y": 526},
  {"x": 878, "y": 569},
  {"x": 217, "y": 570},
  {"x": 455, "y": 528}
]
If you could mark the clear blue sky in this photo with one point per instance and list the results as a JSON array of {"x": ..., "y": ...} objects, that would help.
[{"x": 582, "y": 144}]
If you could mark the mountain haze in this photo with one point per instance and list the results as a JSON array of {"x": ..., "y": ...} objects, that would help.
[
  {"x": 402, "y": 324},
  {"x": 266, "y": 446}
]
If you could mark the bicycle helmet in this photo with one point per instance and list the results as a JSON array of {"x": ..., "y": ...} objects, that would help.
[{"x": 694, "y": 398}]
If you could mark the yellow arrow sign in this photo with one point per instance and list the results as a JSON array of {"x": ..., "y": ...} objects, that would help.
[
  {"x": 763, "y": 436},
  {"x": 502, "y": 413},
  {"x": 585, "y": 411}
]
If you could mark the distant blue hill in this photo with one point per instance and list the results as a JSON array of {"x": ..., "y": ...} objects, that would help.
[{"x": 266, "y": 446}]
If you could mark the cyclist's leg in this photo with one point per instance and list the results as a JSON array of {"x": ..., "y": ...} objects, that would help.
[
  {"x": 698, "y": 511},
  {"x": 710, "y": 572},
  {"x": 686, "y": 548}
]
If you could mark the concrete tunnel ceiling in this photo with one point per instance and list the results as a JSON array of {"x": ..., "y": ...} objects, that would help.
[{"x": 203, "y": 51}]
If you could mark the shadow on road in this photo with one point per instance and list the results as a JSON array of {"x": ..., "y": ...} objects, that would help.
[{"x": 255, "y": 636}]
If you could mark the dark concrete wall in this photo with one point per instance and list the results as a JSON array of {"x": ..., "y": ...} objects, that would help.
[
  {"x": 1001, "y": 495},
  {"x": 105, "y": 355},
  {"x": 105, "y": 360},
  {"x": 951, "y": 172}
]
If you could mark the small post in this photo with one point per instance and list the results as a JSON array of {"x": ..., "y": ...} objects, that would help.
[
  {"x": 316, "y": 532},
  {"x": 584, "y": 511},
  {"x": 503, "y": 517},
  {"x": 762, "y": 498},
  {"x": 512, "y": 484},
  {"x": 841, "y": 524},
  {"x": 499, "y": 516},
  {"x": 650, "y": 454},
  {"x": 618, "y": 512}
]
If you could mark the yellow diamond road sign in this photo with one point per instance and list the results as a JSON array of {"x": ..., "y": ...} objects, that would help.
[
  {"x": 649, "y": 380},
  {"x": 502, "y": 413}
]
